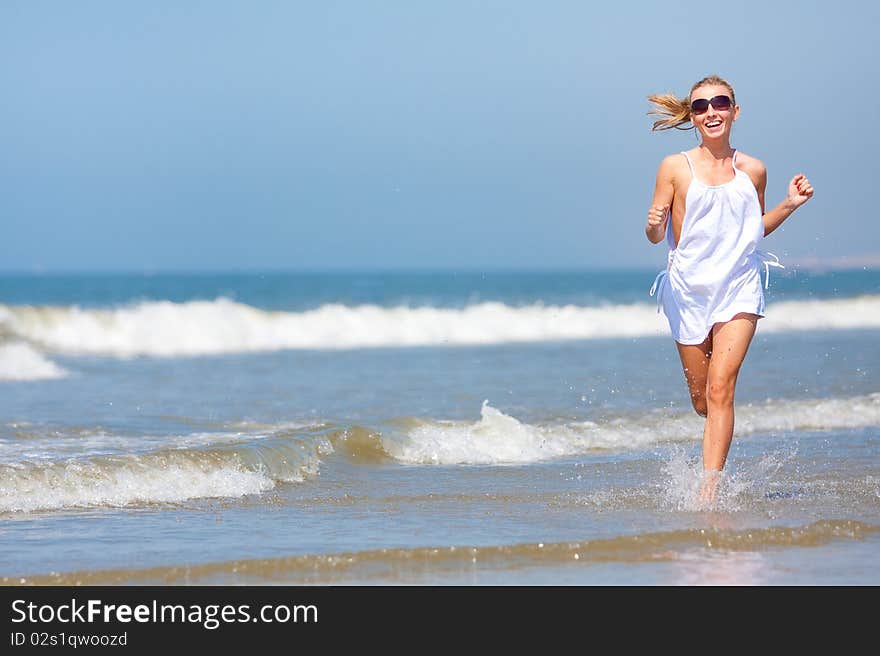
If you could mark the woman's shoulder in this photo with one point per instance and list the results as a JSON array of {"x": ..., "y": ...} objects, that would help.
[
  {"x": 675, "y": 158},
  {"x": 751, "y": 165},
  {"x": 673, "y": 163}
]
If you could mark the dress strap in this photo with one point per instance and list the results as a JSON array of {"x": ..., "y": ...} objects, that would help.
[
  {"x": 734, "y": 158},
  {"x": 690, "y": 164}
]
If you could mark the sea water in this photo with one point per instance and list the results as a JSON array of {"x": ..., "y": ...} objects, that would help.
[{"x": 426, "y": 428}]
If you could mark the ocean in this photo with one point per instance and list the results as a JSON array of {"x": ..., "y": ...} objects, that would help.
[{"x": 426, "y": 428}]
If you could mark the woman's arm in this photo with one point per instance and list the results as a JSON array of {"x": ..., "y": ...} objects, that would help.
[
  {"x": 664, "y": 192},
  {"x": 799, "y": 192}
]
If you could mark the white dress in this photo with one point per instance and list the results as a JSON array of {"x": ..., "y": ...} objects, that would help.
[{"x": 715, "y": 271}]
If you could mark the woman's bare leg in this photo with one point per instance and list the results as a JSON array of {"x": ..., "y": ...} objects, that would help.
[
  {"x": 731, "y": 341},
  {"x": 695, "y": 362}
]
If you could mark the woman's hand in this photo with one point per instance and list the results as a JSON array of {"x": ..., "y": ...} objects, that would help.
[
  {"x": 656, "y": 216},
  {"x": 799, "y": 191}
]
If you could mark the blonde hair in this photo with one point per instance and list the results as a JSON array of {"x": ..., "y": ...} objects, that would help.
[{"x": 675, "y": 111}]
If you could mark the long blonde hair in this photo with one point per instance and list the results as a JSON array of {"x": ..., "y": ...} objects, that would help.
[{"x": 675, "y": 111}]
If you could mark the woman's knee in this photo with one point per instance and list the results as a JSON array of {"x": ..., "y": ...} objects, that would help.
[
  {"x": 720, "y": 390},
  {"x": 698, "y": 400},
  {"x": 700, "y": 406}
]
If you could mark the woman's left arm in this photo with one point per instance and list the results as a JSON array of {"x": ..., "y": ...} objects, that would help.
[{"x": 799, "y": 192}]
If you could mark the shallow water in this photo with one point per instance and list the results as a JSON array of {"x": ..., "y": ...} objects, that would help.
[{"x": 528, "y": 458}]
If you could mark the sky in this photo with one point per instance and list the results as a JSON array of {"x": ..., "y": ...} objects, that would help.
[{"x": 381, "y": 135}]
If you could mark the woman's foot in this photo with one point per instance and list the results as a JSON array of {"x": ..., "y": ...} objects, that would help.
[{"x": 709, "y": 486}]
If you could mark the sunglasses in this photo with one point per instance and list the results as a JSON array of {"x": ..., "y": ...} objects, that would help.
[{"x": 701, "y": 105}]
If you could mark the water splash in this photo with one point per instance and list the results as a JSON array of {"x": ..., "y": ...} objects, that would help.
[{"x": 736, "y": 488}]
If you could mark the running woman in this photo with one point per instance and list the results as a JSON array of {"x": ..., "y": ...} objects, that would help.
[{"x": 709, "y": 204}]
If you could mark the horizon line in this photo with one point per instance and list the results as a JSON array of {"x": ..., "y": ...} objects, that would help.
[{"x": 808, "y": 264}]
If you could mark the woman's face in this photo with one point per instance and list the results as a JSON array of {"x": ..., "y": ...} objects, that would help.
[{"x": 714, "y": 123}]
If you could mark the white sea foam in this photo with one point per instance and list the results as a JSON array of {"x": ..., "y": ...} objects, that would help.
[
  {"x": 498, "y": 438},
  {"x": 224, "y": 326},
  {"x": 83, "y": 484},
  {"x": 164, "y": 476},
  {"x": 19, "y": 361}
]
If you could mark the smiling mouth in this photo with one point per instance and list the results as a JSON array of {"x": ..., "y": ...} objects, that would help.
[{"x": 713, "y": 124}]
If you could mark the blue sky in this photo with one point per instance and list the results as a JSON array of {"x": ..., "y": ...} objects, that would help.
[{"x": 177, "y": 136}]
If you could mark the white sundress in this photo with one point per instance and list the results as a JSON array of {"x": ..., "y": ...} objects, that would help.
[{"x": 715, "y": 271}]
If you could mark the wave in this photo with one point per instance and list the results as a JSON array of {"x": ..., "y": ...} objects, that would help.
[
  {"x": 48, "y": 471},
  {"x": 217, "y": 470},
  {"x": 25, "y": 441},
  {"x": 223, "y": 326},
  {"x": 19, "y": 361},
  {"x": 401, "y": 564},
  {"x": 497, "y": 438}
]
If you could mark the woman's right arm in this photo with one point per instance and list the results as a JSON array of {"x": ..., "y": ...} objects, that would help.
[{"x": 664, "y": 192}]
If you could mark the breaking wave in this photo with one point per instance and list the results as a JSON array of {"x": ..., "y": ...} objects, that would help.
[
  {"x": 164, "y": 328},
  {"x": 48, "y": 471}
]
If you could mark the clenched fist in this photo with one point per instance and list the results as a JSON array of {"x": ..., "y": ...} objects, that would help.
[
  {"x": 657, "y": 215},
  {"x": 799, "y": 190}
]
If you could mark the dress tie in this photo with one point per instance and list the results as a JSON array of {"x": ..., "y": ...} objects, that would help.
[
  {"x": 768, "y": 260},
  {"x": 658, "y": 286},
  {"x": 661, "y": 280}
]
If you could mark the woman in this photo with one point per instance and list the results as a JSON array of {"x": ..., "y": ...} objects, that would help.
[{"x": 709, "y": 203}]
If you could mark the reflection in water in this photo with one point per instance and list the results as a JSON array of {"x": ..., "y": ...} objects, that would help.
[{"x": 716, "y": 567}]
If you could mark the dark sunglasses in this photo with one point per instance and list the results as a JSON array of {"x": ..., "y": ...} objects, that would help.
[{"x": 701, "y": 105}]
